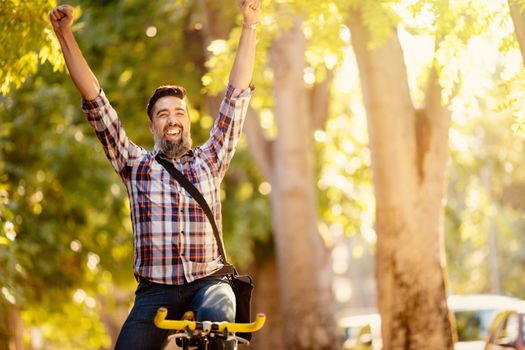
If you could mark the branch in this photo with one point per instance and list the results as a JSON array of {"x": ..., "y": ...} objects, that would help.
[
  {"x": 390, "y": 113},
  {"x": 433, "y": 142},
  {"x": 320, "y": 101}
]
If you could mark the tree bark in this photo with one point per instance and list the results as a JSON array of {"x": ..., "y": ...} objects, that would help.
[
  {"x": 409, "y": 158},
  {"x": 266, "y": 290},
  {"x": 303, "y": 261},
  {"x": 11, "y": 328}
]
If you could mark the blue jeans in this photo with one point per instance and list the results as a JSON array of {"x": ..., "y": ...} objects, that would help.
[{"x": 210, "y": 298}]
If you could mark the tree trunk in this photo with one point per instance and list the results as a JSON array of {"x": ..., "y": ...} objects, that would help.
[
  {"x": 303, "y": 261},
  {"x": 271, "y": 336},
  {"x": 409, "y": 158},
  {"x": 110, "y": 318},
  {"x": 218, "y": 25},
  {"x": 518, "y": 18},
  {"x": 11, "y": 329}
]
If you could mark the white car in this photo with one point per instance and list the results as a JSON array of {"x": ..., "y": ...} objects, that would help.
[
  {"x": 474, "y": 313},
  {"x": 361, "y": 331}
]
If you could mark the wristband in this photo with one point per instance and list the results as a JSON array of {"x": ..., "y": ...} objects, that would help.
[{"x": 250, "y": 25}]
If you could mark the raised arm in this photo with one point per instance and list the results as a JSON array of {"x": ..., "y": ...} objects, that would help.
[
  {"x": 242, "y": 70},
  {"x": 83, "y": 78}
]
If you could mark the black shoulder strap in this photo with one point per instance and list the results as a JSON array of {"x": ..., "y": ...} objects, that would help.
[{"x": 188, "y": 186}]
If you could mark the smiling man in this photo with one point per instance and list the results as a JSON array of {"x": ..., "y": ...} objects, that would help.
[{"x": 176, "y": 254}]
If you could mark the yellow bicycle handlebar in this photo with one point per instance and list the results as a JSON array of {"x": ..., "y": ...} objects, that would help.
[{"x": 161, "y": 322}]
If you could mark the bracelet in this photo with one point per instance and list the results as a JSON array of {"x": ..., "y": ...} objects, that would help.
[{"x": 250, "y": 25}]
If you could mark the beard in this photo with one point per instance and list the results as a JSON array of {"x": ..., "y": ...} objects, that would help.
[{"x": 173, "y": 149}]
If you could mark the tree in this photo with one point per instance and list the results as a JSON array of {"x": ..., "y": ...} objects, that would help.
[
  {"x": 286, "y": 161},
  {"x": 303, "y": 278},
  {"x": 409, "y": 158},
  {"x": 409, "y": 155}
]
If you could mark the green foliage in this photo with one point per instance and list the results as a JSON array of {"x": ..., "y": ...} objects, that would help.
[
  {"x": 58, "y": 187},
  {"x": 514, "y": 92},
  {"x": 484, "y": 190},
  {"x": 456, "y": 27},
  {"x": 26, "y": 39},
  {"x": 73, "y": 325},
  {"x": 322, "y": 26},
  {"x": 324, "y": 29},
  {"x": 346, "y": 201},
  {"x": 222, "y": 54},
  {"x": 380, "y": 17}
]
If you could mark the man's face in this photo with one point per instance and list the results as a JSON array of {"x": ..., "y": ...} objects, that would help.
[{"x": 170, "y": 126}]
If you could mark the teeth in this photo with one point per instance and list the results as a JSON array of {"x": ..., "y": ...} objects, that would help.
[{"x": 174, "y": 131}]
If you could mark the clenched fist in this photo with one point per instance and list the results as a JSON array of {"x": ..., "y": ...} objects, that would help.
[
  {"x": 61, "y": 17},
  {"x": 251, "y": 10}
]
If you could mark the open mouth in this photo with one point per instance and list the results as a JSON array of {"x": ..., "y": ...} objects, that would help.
[{"x": 174, "y": 131}]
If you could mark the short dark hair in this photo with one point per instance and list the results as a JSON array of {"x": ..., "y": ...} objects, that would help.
[{"x": 163, "y": 91}]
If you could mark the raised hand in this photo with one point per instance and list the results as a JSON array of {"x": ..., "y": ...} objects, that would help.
[
  {"x": 85, "y": 81},
  {"x": 251, "y": 10},
  {"x": 61, "y": 17}
]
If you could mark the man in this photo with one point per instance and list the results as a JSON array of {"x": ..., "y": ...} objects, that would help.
[{"x": 176, "y": 253}]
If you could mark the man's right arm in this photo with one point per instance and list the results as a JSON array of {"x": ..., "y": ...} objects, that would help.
[
  {"x": 117, "y": 146},
  {"x": 87, "y": 84}
]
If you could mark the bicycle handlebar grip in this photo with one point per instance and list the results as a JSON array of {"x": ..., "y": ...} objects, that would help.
[
  {"x": 161, "y": 314},
  {"x": 161, "y": 322},
  {"x": 244, "y": 327}
]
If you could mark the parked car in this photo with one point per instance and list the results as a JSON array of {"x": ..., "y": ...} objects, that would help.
[
  {"x": 361, "y": 332},
  {"x": 507, "y": 330},
  {"x": 474, "y": 314}
]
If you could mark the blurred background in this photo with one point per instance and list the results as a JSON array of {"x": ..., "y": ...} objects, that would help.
[{"x": 299, "y": 202}]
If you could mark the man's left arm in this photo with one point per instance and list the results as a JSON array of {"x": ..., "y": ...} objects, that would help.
[
  {"x": 224, "y": 136},
  {"x": 242, "y": 69}
]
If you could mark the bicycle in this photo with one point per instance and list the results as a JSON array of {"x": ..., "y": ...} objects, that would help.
[{"x": 198, "y": 333}]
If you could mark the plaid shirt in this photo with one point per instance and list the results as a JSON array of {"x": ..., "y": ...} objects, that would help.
[{"x": 173, "y": 238}]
